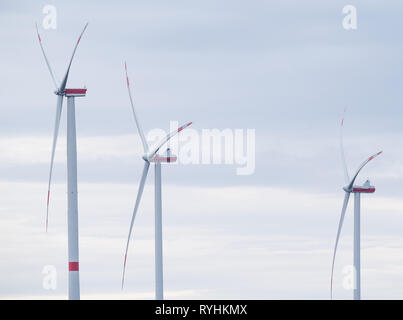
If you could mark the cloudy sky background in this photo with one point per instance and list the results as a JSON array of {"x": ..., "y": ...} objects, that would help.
[{"x": 284, "y": 68}]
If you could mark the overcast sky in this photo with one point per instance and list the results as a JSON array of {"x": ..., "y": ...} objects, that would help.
[{"x": 286, "y": 69}]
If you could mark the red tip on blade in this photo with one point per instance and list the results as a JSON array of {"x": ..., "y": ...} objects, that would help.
[
  {"x": 47, "y": 210},
  {"x": 372, "y": 157},
  {"x": 37, "y": 32},
  {"x": 342, "y": 119},
  {"x": 124, "y": 269},
  {"x": 127, "y": 77},
  {"x": 79, "y": 38},
  {"x": 185, "y": 126}
]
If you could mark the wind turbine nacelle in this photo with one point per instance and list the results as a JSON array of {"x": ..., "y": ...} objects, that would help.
[
  {"x": 363, "y": 189},
  {"x": 166, "y": 159},
  {"x": 152, "y": 156},
  {"x": 75, "y": 92},
  {"x": 360, "y": 189}
]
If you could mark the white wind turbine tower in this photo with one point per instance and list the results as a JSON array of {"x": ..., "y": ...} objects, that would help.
[
  {"x": 72, "y": 214},
  {"x": 148, "y": 157},
  {"x": 356, "y": 190}
]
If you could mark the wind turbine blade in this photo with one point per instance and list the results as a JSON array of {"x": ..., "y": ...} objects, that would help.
[
  {"x": 362, "y": 166},
  {"x": 55, "y": 133},
  {"x": 136, "y": 206},
  {"x": 64, "y": 82},
  {"x": 343, "y": 159},
  {"x": 143, "y": 139},
  {"x": 343, "y": 212},
  {"x": 166, "y": 139},
  {"x": 46, "y": 58}
]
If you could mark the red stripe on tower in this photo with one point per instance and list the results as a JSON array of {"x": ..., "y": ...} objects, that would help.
[{"x": 73, "y": 266}]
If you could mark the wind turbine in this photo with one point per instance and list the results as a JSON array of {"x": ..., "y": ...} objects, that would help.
[
  {"x": 151, "y": 155},
  {"x": 356, "y": 190},
  {"x": 72, "y": 212}
]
